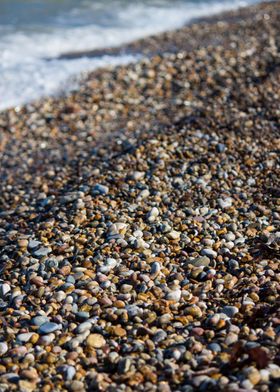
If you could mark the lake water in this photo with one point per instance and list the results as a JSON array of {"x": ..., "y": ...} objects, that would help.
[{"x": 33, "y": 30}]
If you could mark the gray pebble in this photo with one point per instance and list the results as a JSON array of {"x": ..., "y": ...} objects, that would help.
[
  {"x": 49, "y": 327},
  {"x": 99, "y": 189},
  {"x": 41, "y": 252},
  {"x": 230, "y": 311},
  {"x": 39, "y": 320}
]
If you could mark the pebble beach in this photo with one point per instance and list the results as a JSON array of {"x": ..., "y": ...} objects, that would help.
[{"x": 140, "y": 220}]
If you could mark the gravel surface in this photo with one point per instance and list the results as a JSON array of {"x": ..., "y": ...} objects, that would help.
[{"x": 139, "y": 221}]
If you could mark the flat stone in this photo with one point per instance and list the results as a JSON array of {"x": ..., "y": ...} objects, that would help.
[
  {"x": 118, "y": 331},
  {"x": 33, "y": 244},
  {"x": 49, "y": 327},
  {"x": 208, "y": 252},
  {"x": 96, "y": 340},
  {"x": 174, "y": 235},
  {"x": 86, "y": 326},
  {"x": 82, "y": 315},
  {"x": 25, "y": 337},
  {"x": 76, "y": 386},
  {"x": 39, "y": 320},
  {"x": 41, "y": 252},
  {"x": 202, "y": 261},
  {"x": 99, "y": 189}
]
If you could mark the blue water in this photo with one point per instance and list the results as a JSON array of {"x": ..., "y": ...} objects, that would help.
[{"x": 33, "y": 30}]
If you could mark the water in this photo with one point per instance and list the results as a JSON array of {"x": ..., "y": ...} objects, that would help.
[{"x": 33, "y": 30}]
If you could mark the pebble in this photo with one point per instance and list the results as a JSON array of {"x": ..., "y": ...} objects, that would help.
[
  {"x": 3, "y": 348},
  {"x": 96, "y": 341},
  {"x": 155, "y": 269},
  {"x": 202, "y": 261},
  {"x": 33, "y": 244},
  {"x": 42, "y": 252},
  {"x": 159, "y": 336},
  {"x": 153, "y": 214},
  {"x": 69, "y": 372},
  {"x": 76, "y": 386},
  {"x": 39, "y": 320},
  {"x": 48, "y": 327},
  {"x": 25, "y": 337},
  {"x": 174, "y": 295},
  {"x": 253, "y": 375},
  {"x": 99, "y": 189},
  {"x": 5, "y": 288},
  {"x": 86, "y": 326},
  {"x": 173, "y": 235},
  {"x": 230, "y": 311},
  {"x": 231, "y": 339},
  {"x": 208, "y": 252},
  {"x": 225, "y": 203}
]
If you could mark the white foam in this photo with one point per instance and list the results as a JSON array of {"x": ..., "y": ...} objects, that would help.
[{"x": 26, "y": 75}]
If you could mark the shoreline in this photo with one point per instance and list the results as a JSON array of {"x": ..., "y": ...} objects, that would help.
[
  {"x": 139, "y": 220},
  {"x": 164, "y": 42}
]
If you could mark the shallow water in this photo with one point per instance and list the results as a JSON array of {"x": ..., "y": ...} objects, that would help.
[{"x": 33, "y": 30}]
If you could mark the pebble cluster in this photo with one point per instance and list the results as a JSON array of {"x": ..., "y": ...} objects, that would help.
[{"x": 139, "y": 222}]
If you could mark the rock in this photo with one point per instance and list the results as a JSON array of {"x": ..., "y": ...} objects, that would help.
[
  {"x": 202, "y": 261},
  {"x": 86, "y": 326},
  {"x": 208, "y": 252},
  {"x": 33, "y": 244},
  {"x": 143, "y": 194},
  {"x": 173, "y": 235},
  {"x": 159, "y": 336},
  {"x": 174, "y": 295},
  {"x": 153, "y": 214},
  {"x": 26, "y": 386},
  {"x": 111, "y": 263},
  {"x": 68, "y": 372},
  {"x": 41, "y": 252},
  {"x": 71, "y": 196},
  {"x": 3, "y": 348},
  {"x": 118, "y": 331},
  {"x": 230, "y": 311},
  {"x": 253, "y": 375},
  {"x": 194, "y": 311},
  {"x": 220, "y": 147},
  {"x": 25, "y": 337},
  {"x": 99, "y": 189},
  {"x": 96, "y": 340},
  {"x": 225, "y": 203},
  {"x": 124, "y": 365},
  {"x": 48, "y": 327},
  {"x": 215, "y": 347},
  {"x": 46, "y": 340},
  {"x": 139, "y": 243},
  {"x": 77, "y": 386},
  {"x": 231, "y": 338},
  {"x": 126, "y": 288},
  {"x": 155, "y": 269},
  {"x": 82, "y": 315},
  {"x": 39, "y": 320},
  {"x": 5, "y": 288},
  {"x": 137, "y": 175}
]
